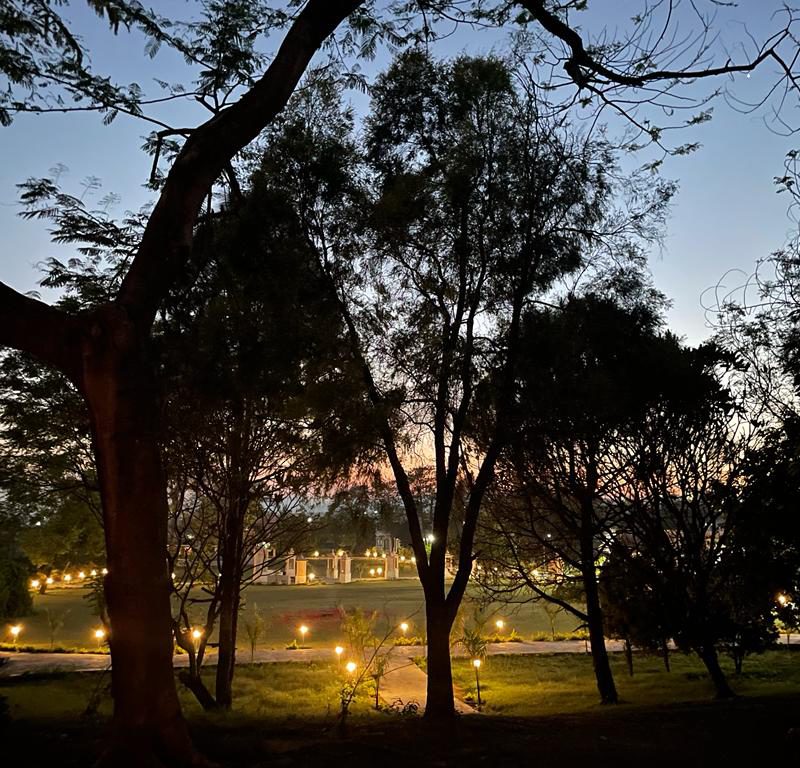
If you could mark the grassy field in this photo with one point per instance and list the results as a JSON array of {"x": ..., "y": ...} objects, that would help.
[
  {"x": 528, "y": 686},
  {"x": 538, "y": 709},
  {"x": 285, "y": 608}
]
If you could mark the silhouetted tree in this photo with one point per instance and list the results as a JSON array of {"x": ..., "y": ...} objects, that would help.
[{"x": 106, "y": 352}]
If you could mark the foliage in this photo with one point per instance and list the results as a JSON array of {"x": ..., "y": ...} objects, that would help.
[{"x": 15, "y": 573}]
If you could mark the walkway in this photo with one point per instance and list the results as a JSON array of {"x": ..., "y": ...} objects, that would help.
[
  {"x": 26, "y": 663},
  {"x": 405, "y": 683}
]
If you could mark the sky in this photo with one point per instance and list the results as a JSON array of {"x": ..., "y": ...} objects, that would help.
[{"x": 726, "y": 216}]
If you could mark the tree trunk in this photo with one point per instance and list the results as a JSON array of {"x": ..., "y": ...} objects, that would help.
[
  {"x": 192, "y": 680},
  {"x": 629, "y": 655},
  {"x": 228, "y": 624},
  {"x": 232, "y": 545},
  {"x": 147, "y": 721},
  {"x": 708, "y": 655},
  {"x": 440, "y": 703},
  {"x": 665, "y": 655},
  {"x": 594, "y": 613}
]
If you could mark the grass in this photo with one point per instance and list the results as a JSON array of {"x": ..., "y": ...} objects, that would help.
[
  {"x": 285, "y": 608},
  {"x": 539, "y": 709},
  {"x": 541, "y": 685}
]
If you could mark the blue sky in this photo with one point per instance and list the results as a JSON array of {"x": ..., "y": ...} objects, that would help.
[{"x": 726, "y": 215}]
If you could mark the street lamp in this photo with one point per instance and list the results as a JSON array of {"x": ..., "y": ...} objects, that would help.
[
  {"x": 404, "y": 628},
  {"x": 371, "y": 571},
  {"x": 196, "y": 635},
  {"x": 500, "y": 624},
  {"x": 351, "y": 667},
  {"x": 379, "y": 571},
  {"x": 15, "y": 630},
  {"x": 99, "y": 635},
  {"x": 338, "y": 650},
  {"x": 311, "y": 576},
  {"x": 49, "y": 580},
  {"x": 81, "y": 575},
  {"x": 477, "y": 664},
  {"x": 35, "y": 583},
  {"x": 67, "y": 577},
  {"x": 303, "y": 629}
]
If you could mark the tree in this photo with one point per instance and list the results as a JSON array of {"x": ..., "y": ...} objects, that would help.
[
  {"x": 480, "y": 202},
  {"x": 685, "y": 520},
  {"x": 589, "y": 368},
  {"x": 105, "y": 351}
]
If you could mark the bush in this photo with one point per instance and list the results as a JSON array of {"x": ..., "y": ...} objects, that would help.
[{"x": 15, "y": 597}]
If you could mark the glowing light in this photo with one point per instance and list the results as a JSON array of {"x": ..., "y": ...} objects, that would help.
[
  {"x": 93, "y": 572},
  {"x": 15, "y": 630},
  {"x": 430, "y": 538},
  {"x": 782, "y": 599},
  {"x": 500, "y": 624},
  {"x": 404, "y": 627},
  {"x": 197, "y": 634},
  {"x": 311, "y": 577},
  {"x": 105, "y": 571},
  {"x": 303, "y": 629},
  {"x": 309, "y": 519},
  {"x": 173, "y": 575},
  {"x": 380, "y": 571},
  {"x": 35, "y": 584},
  {"x": 49, "y": 580},
  {"x": 338, "y": 650},
  {"x": 340, "y": 553},
  {"x": 67, "y": 577},
  {"x": 402, "y": 558},
  {"x": 81, "y": 575},
  {"x": 99, "y": 635},
  {"x": 413, "y": 559},
  {"x": 351, "y": 667},
  {"x": 371, "y": 571},
  {"x": 367, "y": 554},
  {"x": 476, "y": 663},
  {"x": 316, "y": 553}
]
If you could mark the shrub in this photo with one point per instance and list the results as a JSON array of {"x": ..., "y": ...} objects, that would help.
[{"x": 15, "y": 597}]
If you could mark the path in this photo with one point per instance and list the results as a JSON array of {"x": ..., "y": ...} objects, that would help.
[
  {"x": 26, "y": 663},
  {"x": 405, "y": 683}
]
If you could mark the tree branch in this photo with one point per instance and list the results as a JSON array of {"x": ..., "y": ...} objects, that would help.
[{"x": 166, "y": 242}]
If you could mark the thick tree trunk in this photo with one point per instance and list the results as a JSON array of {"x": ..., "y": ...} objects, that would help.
[
  {"x": 708, "y": 655},
  {"x": 440, "y": 702},
  {"x": 147, "y": 722}
]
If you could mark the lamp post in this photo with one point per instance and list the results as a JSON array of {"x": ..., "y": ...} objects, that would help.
[
  {"x": 15, "y": 630},
  {"x": 500, "y": 624},
  {"x": 303, "y": 629},
  {"x": 99, "y": 635},
  {"x": 338, "y": 650},
  {"x": 404, "y": 628},
  {"x": 196, "y": 635},
  {"x": 477, "y": 664}
]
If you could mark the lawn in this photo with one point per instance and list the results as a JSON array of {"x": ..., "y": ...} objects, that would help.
[
  {"x": 285, "y": 608},
  {"x": 526, "y": 686},
  {"x": 539, "y": 710}
]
